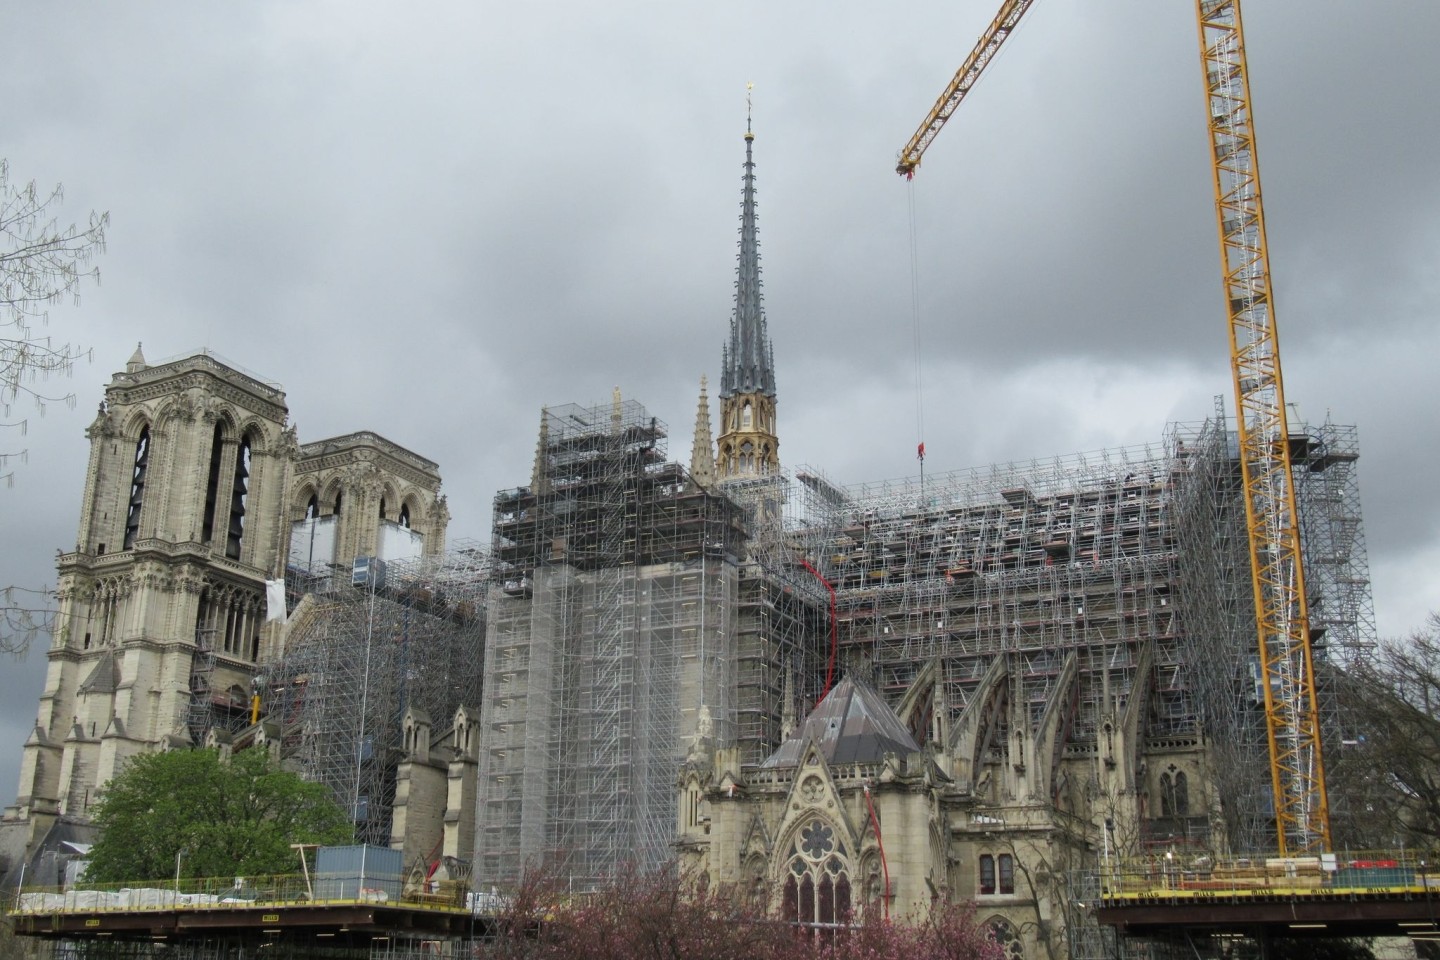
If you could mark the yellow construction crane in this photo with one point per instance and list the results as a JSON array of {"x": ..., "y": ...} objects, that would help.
[{"x": 1277, "y": 571}]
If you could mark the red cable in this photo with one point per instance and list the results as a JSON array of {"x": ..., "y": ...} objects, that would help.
[
  {"x": 884, "y": 867},
  {"x": 434, "y": 864},
  {"x": 834, "y": 628}
]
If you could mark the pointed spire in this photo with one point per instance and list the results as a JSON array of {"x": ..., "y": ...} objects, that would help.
[
  {"x": 749, "y": 366},
  {"x": 539, "y": 475},
  {"x": 702, "y": 451},
  {"x": 136, "y": 363}
]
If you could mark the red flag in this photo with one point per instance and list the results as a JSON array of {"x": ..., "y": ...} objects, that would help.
[{"x": 920, "y": 451}]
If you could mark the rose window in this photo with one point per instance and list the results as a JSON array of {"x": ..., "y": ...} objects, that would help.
[{"x": 817, "y": 839}]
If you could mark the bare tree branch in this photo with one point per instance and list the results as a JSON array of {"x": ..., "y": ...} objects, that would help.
[
  {"x": 1388, "y": 771},
  {"x": 24, "y": 615},
  {"x": 41, "y": 263}
]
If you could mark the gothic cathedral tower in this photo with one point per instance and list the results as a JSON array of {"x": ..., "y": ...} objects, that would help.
[
  {"x": 198, "y": 494},
  {"x": 748, "y": 447},
  {"x": 180, "y": 526}
]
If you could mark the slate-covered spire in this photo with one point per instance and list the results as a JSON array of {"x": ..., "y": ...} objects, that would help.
[{"x": 748, "y": 363}]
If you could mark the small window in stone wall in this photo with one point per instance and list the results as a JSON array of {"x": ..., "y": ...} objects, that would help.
[{"x": 997, "y": 874}]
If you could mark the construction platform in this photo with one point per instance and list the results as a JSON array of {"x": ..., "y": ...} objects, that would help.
[
  {"x": 279, "y": 912},
  {"x": 1384, "y": 894}
]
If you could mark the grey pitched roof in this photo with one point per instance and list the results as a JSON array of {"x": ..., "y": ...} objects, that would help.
[
  {"x": 852, "y": 724},
  {"x": 105, "y": 678}
]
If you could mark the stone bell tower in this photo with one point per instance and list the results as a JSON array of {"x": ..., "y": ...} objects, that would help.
[{"x": 181, "y": 524}]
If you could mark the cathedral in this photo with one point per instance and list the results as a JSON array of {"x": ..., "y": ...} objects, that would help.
[{"x": 843, "y": 700}]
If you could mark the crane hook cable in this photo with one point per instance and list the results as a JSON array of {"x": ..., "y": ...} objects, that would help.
[{"x": 919, "y": 351}]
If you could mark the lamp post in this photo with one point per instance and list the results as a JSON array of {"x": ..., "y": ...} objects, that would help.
[{"x": 1109, "y": 875}]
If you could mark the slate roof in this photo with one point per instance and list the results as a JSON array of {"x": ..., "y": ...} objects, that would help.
[
  {"x": 852, "y": 724},
  {"x": 105, "y": 678}
]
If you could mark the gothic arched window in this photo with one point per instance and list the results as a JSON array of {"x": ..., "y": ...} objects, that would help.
[
  {"x": 312, "y": 507},
  {"x": 747, "y": 416},
  {"x": 1008, "y": 938},
  {"x": 1182, "y": 795},
  {"x": 239, "y": 495},
  {"x": 405, "y": 515},
  {"x": 212, "y": 483},
  {"x": 817, "y": 877},
  {"x": 137, "y": 488},
  {"x": 1167, "y": 796}
]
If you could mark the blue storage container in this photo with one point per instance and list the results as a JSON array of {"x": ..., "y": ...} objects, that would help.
[{"x": 359, "y": 872}]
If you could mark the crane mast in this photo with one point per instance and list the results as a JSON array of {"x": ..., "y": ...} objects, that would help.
[{"x": 1277, "y": 569}]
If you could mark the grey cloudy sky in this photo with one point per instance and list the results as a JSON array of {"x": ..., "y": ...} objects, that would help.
[{"x": 432, "y": 219}]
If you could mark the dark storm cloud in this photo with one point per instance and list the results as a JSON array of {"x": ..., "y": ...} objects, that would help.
[{"x": 432, "y": 221}]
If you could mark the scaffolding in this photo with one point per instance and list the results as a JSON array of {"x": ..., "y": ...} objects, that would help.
[
  {"x": 1327, "y": 491},
  {"x": 1219, "y": 605},
  {"x": 631, "y": 616},
  {"x": 782, "y": 621},
  {"x": 1219, "y": 602},
  {"x": 1037, "y": 564},
  {"x": 361, "y": 650},
  {"x": 1094, "y": 580}
]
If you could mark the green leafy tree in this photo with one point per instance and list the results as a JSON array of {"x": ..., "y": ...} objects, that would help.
[{"x": 216, "y": 818}]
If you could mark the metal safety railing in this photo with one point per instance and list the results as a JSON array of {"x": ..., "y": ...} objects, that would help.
[
  {"x": 244, "y": 893},
  {"x": 1174, "y": 875}
]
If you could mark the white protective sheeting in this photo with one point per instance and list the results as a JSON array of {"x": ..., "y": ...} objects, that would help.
[
  {"x": 400, "y": 543},
  {"x": 312, "y": 544}
]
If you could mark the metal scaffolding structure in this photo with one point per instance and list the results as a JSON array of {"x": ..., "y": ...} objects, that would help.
[
  {"x": 630, "y": 615},
  {"x": 1219, "y": 607},
  {"x": 1220, "y": 620},
  {"x": 1097, "y": 579},
  {"x": 625, "y": 614},
  {"x": 360, "y": 651},
  {"x": 1039, "y": 565}
]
